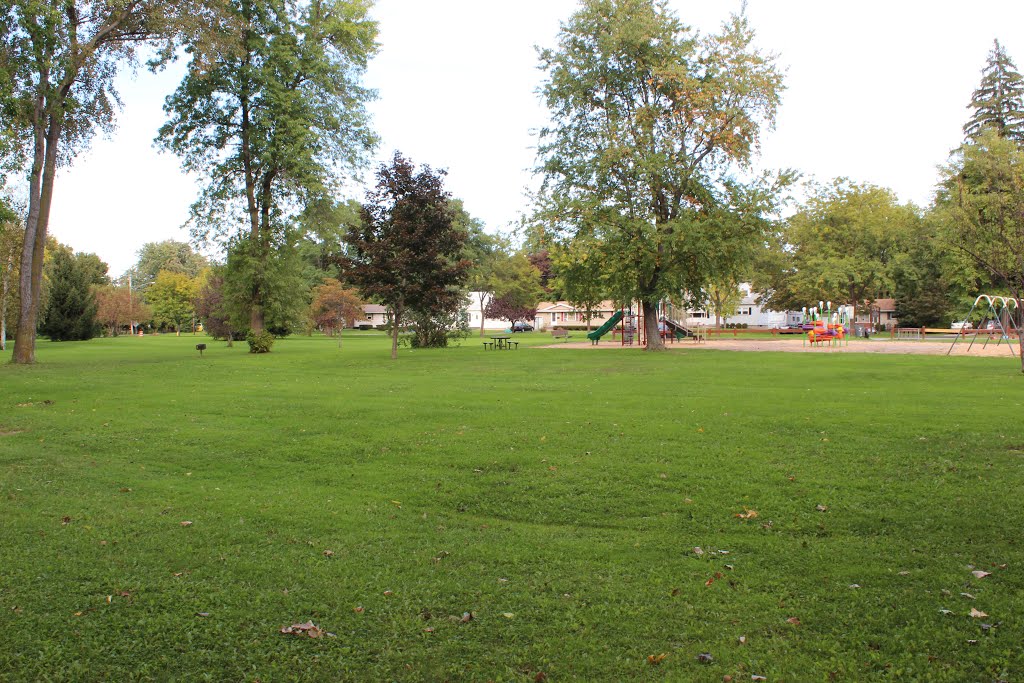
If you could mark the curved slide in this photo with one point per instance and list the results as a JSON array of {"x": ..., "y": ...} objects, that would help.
[{"x": 603, "y": 330}]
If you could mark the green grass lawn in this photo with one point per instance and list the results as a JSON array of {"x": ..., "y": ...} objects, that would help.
[{"x": 557, "y": 498}]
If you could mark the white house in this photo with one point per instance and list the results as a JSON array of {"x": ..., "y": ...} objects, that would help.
[
  {"x": 476, "y": 304},
  {"x": 747, "y": 312}
]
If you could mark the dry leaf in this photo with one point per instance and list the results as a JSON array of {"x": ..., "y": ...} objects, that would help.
[
  {"x": 540, "y": 677},
  {"x": 977, "y": 613},
  {"x": 978, "y": 574},
  {"x": 709, "y": 581},
  {"x": 308, "y": 629},
  {"x": 821, "y": 508},
  {"x": 467, "y": 617},
  {"x": 656, "y": 659},
  {"x": 125, "y": 489},
  {"x": 755, "y": 677},
  {"x": 65, "y": 520},
  {"x": 945, "y": 611},
  {"x": 854, "y": 585},
  {"x": 508, "y": 615},
  {"x": 110, "y": 599},
  {"x": 186, "y": 523},
  {"x": 429, "y": 629},
  {"x": 904, "y": 573},
  {"x": 743, "y": 640},
  {"x": 328, "y": 553},
  {"x": 967, "y": 595},
  {"x": 793, "y": 620},
  {"x": 705, "y": 658},
  {"x": 388, "y": 593},
  {"x": 698, "y": 551},
  {"x": 746, "y": 514},
  {"x": 202, "y": 614},
  {"x": 359, "y": 610}
]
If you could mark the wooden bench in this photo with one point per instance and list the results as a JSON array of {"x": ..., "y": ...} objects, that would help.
[{"x": 560, "y": 334}]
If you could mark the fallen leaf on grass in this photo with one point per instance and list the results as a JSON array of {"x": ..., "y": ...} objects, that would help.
[
  {"x": 742, "y": 640},
  {"x": 467, "y": 617},
  {"x": 705, "y": 658},
  {"x": 755, "y": 677},
  {"x": 65, "y": 520},
  {"x": 656, "y": 659},
  {"x": 508, "y": 615},
  {"x": 854, "y": 586},
  {"x": 186, "y": 523},
  {"x": 967, "y": 595},
  {"x": 359, "y": 610},
  {"x": 202, "y": 614},
  {"x": 793, "y": 620},
  {"x": 429, "y": 629},
  {"x": 904, "y": 573},
  {"x": 540, "y": 677},
  {"x": 746, "y": 514},
  {"x": 308, "y": 629},
  {"x": 978, "y": 574},
  {"x": 821, "y": 508},
  {"x": 328, "y": 553},
  {"x": 698, "y": 551},
  {"x": 388, "y": 593},
  {"x": 945, "y": 611},
  {"x": 397, "y": 503},
  {"x": 977, "y": 613},
  {"x": 125, "y": 489}
]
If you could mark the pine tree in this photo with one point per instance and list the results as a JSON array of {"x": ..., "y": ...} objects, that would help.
[
  {"x": 998, "y": 103},
  {"x": 71, "y": 311}
]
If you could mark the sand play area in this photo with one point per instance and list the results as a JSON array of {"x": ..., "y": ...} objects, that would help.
[{"x": 937, "y": 347}]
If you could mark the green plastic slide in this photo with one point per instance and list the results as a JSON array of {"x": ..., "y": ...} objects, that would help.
[{"x": 603, "y": 330}]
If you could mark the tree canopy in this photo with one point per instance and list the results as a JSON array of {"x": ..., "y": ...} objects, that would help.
[
  {"x": 650, "y": 123},
  {"x": 407, "y": 251},
  {"x": 998, "y": 102},
  {"x": 273, "y": 115},
  {"x": 59, "y": 62}
]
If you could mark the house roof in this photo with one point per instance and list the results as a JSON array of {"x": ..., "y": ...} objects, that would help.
[
  {"x": 374, "y": 309},
  {"x": 885, "y": 304},
  {"x": 557, "y": 306}
]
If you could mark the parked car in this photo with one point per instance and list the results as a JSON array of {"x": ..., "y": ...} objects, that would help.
[
  {"x": 520, "y": 326},
  {"x": 961, "y": 324}
]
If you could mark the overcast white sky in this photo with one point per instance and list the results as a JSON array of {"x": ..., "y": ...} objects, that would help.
[{"x": 876, "y": 91}]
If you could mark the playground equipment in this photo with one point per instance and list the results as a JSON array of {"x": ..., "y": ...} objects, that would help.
[
  {"x": 596, "y": 335},
  {"x": 1001, "y": 321},
  {"x": 825, "y": 326}
]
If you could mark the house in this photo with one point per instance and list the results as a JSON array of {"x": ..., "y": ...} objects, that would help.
[
  {"x": 476, "y": 304},
  {"x": 748, "y": 312},
  {"x": 880, "y": 315},
  {"x": 552, "y": 314},
  {"x": 373, "y": 315}
]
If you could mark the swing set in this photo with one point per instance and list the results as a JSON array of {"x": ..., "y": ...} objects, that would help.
[{"x": 1001, "y": 321}]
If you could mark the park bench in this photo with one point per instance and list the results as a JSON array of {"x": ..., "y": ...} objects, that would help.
[{"x": 560, "y": 334}]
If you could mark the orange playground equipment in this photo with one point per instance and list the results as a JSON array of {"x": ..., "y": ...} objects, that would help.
[{"x": 826, "y": 326}]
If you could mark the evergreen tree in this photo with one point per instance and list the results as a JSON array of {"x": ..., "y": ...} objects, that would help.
[
  {"x": 998, "y": 103},
  {"x": 71, "y": 309}
]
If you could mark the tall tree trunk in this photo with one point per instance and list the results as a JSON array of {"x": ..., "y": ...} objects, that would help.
[
  {"x": 4, "y": 289},
  {"x": 396, "y": 317},
  {"x": 482, "y": 296},
  {"x": 44, "y": 167},
  {"x": 654, "y": 340}
]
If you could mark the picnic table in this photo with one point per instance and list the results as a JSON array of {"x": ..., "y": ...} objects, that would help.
[{"x": 501, "y": 342}]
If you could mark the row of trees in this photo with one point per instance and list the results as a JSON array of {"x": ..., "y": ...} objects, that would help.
[{"x": 648, "y": 192}]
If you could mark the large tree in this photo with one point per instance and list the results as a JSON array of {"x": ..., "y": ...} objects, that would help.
[
  {"x": 169, "y": 255},
  {"x": 172, "y": 296},
  {"x": 998, "y": 103},
  {"x": 334, "y": 307},
  {"x": 842, "y": 242},
  {"x": 650, "y": 123},
  {"x": 407, "y": 252},
  {"x": 981, "y": 199},
  {"x": 11, "y": 234},
  {"x": 70, "y": 313},
  {"x": 274, "y": 118},
  {"x": 59, "y": 61}
]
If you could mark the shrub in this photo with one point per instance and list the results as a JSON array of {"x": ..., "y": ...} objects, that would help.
[{"x": 260, "y": 343}]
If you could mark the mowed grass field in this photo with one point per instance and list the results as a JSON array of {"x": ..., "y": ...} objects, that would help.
[{"x": 530, "y": 515}]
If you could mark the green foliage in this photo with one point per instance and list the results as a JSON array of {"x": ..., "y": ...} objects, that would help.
[
  {"x": 264, "y": 279},
  {"x": 70, "y": 313},
  {"x": 273, "y": 114},
  {"x": 651, "y": 123},
  {"x": 842, "y": 242},
  {"x": 170, "y": 256},
  {"x": 172, "y": 297},
  {"x": 998, "y": 103},
  {"x": 981, "y": 204},
  {"x": 260, "y": 342}
]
